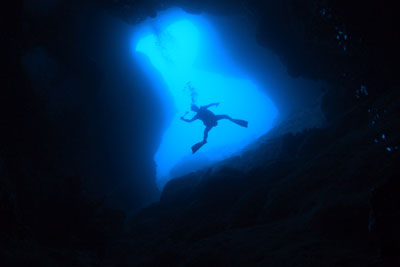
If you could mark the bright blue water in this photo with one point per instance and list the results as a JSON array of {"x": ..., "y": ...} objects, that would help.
[{"x": 195, "y": 68}]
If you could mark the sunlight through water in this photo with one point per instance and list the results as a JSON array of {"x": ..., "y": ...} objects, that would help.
[{"x": 194, "y": 67}]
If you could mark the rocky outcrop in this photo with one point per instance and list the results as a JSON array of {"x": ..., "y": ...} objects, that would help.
[{"x": 308, "y": 195}]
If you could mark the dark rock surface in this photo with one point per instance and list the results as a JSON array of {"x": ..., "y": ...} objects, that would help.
[
  {"x": 306, "y": 200},
  {"x": 320, "y": 197}
]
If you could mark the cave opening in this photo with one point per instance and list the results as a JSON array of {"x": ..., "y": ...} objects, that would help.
[
  {"x": 180, "y": 47},
  {"x": 192, "y": 59}
]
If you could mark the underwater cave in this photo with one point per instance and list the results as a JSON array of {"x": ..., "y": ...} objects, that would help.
[
  {"x": 199, "y": 133},
  {"x": 192, "y": 58}
]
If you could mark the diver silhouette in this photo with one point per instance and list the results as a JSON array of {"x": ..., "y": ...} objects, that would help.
[{"x": 210, "y": 120}]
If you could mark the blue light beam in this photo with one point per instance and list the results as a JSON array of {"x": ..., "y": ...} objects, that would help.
[{"x": 174, "y": 50}]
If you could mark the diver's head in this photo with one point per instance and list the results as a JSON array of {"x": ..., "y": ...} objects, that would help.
[{"x": 194, "y": 108}]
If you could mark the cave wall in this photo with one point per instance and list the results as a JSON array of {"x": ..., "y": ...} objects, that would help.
[{"x": 70, "y": 135}]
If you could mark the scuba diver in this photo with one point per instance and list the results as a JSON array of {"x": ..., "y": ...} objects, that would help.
[{"x": 210, "y": 120}]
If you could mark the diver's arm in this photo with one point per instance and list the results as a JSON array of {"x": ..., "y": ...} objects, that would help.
[
  {"x": 210, "y": 105},
  {"x": 191, "y": 120}
]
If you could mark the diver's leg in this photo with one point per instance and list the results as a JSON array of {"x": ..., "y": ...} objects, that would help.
[
  {"x": 221, "y": 117},
  {"x": 238, "y": 122},
  {"x": 197, "y": 146},
  {"x": 206, "y": 130}
]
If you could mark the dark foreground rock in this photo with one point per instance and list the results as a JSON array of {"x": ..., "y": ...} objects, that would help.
[
  {"x": 318, "y": 198},
  {"x": 321, "y": 197}
]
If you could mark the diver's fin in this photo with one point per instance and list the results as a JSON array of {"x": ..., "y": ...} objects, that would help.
[
  {"x": 241, "y": 122},
  {"x": 198, "y": 146}
]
